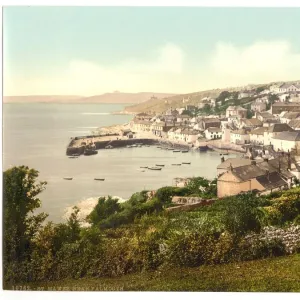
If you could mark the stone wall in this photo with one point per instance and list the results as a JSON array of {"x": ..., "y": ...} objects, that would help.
[{"x": 188, "y": 207}]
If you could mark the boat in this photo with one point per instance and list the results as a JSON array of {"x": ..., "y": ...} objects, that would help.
[
  {"x": 134, "y": 145},
  {"x": 185, "y": 151},
  {"x": 186, "y": 163},
  {"x": 171, "y": 149},
  {"x": 158, "y": 147},
  {"x": 73, "y": 156},
  {"x": 154, "y": 168},
  {"x": 108, "y": 147},
  {"x": 68, "y": 178},
  {"x": 144, "y": 167},
  {"x": 128, "y": 146},
  {"x": 203, "y": 148},
  {"x": 160, "y": 165},
  {"x": 176, "y": 164},
  {"x": 176, "y": 150},
  {"x": 99, "y": 179}
]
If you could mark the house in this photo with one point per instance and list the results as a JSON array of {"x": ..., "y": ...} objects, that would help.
[
  {"x": 190, "y": 136},
  {"x": 160, "y": 129},
  {"x": 250, "y": 123},
  {"x": 244, "y": 94},
  {"x": 257, "y": 135},
  {"x": 258, "y": 106},
  {"x": 236, "y": 111},
  {"x": 287, "y": 87},
  {"x": 274, "y": 88},
  {"x": 264, "y": 116},
  {"x": 265, "y": 177},
  {"x": 240, "y": 137},
  {"x": 279, "y": 107},
  {"x": 286, "y": 117},
  {"x": 213, "y": 133},
  {"x": 273, "y": 131},
  {"x": 295, "y": 124},
  {"x": 231, "y": 162},
  {"x": 183, "y": 118},
  {"x": 287, "y": 141},
  {"x": 209, "y": 122},
  {"x": 283, "y": 97}
]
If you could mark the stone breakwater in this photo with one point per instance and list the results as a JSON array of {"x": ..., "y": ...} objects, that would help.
[
  {"x": 290, "y": 236},
  {"x": 77, "y": 145}
]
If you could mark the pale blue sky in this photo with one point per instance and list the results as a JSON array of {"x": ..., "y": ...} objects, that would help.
[{"x": 91, "y": 50}]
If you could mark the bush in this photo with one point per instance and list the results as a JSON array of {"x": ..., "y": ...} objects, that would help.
[{"x": 257, "y": 249}]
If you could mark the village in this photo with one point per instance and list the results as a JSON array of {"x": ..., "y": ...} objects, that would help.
[{"x": 263, "y": 124}]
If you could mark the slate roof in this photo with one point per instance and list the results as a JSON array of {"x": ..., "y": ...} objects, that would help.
[
  {"x": 288, "y": 136},
  {"x": 280, "y": 128},
  {"x": 259, "y": 130},
  {"x": 214, "y": 129},
  {"x": 295, "y": 123},
  {"x": 235, "y": 162},
  {"x": 240, "y": 131},
  {"x": 291, "y": 115},
  {"x": 253, "y": 122},
  {"x": 271, "y": 181},
  {"x": 248, "y": 172}
]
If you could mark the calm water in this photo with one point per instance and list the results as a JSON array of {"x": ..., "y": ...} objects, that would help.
[{"x": 37, "y": 134}]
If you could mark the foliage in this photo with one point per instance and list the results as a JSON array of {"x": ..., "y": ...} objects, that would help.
[
  {"x": 104, "y": 209},
  {"x": 20, "y": 200}
]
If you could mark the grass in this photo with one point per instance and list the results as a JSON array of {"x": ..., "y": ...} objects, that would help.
[{"x": 268, "y": 275}]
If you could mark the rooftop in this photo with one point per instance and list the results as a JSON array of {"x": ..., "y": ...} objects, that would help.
[{"x": 288, "y": 136}]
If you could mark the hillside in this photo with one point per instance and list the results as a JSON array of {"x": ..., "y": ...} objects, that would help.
[
  {"x": 104, "y": 98},
  {"x": 153, "y": 105}
]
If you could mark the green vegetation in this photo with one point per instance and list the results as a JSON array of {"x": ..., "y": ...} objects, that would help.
[
  {"x": 268, "y": 275},
  {"x": 140, "y": 236}
]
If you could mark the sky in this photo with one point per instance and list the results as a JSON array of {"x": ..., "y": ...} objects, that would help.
[{"x": 93, "y": 50}]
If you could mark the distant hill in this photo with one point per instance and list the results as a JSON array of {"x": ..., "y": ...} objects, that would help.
[
  {"x": 176, "y": 101},
  {"x": 115, "y": 97}
]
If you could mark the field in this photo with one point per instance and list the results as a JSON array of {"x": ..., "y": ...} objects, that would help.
[{"x": 268, "y": 275}]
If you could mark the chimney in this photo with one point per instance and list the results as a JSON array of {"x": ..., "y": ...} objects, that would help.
[
  {"x": 230, "y": 167},
  {"x": 253, "y": 162},
  {"x": 222, "y": 159},
  {"x": 266, "y": 159}
]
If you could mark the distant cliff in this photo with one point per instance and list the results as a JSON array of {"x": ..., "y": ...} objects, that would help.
[{"x": 115, "y": 97}]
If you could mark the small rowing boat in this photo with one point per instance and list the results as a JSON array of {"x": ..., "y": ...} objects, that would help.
[
  {"x": 160, "y": 165},
  {"x": 68, "y": 178},
  {"x": 144, "y": 167},
  {"x": 154, "y": 168},
  {"x": 73, "y": 156},
  {"x": 176, "y": 164},
  {"x": 176, "y": 150},
  {"x": 99, "y": 179},
  {"x": 186, "y": 163},
  {"x": 184, "y": 151}
]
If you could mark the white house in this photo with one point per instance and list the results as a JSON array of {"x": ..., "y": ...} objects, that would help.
[
  {"x": 258, "y": 106},
  {"x": 286, "y": 141},
  {"x": 236, "y": 111},
  {"x": 213, "y": 133},
  {"x": 240, "y": 137},
  {"x": 257, "y": 135},
  {"x": 273, "y": 131}
]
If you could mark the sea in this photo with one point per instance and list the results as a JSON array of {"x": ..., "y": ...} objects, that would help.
[{"x": 37, "y": 134}]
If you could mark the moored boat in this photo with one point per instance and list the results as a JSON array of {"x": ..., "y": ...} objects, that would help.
[
  {"x": 176, "y": 164},
  {"x": 160, "y": 165},
  {"x": 154, "y": 168},
  {"x": 68, "y": 178},
  {"x": 99, "y": 179},
  {"x": 73, "y": 156},
  {"x": 203, "y": 148},
  {"x": 176, "y": 151},
  {"x": 185, "y": 151},
  {"x": 186, "y": 163},
  {"x": 144, "y": 167}
]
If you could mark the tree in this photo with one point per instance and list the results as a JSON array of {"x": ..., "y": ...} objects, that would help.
[
  {"x": 242, "y": 215},
  {"x": 20, "y": 224},
  {"x": 103, "y": 209}
]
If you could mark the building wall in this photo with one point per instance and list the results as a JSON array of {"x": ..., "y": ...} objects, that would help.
[
  {"x": 257, "y": 139},
  {"x": 284, "y": 145},
  {"x": 229, "y": 185}
]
